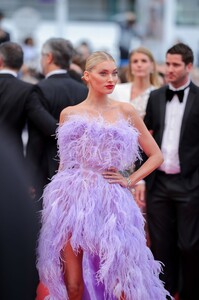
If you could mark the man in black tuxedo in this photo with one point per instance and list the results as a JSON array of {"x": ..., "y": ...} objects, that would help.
[
  {"x": 56, "y": 91},
  {"x": 172, "y": 116},
  {"x": 15, "y": 104}
]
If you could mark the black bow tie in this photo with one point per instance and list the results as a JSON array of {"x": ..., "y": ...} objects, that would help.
[{"x": 171, "y": 93}]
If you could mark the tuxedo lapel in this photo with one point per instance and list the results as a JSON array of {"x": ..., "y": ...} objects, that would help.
[
  {"x": 162, "y": 105},
  {"x": 190, "y": 101}
]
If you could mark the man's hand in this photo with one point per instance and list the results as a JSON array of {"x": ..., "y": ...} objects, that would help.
[{"x": 139, "y": 194}]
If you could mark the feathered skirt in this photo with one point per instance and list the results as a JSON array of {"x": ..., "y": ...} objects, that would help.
[{"x": 103, "y": 220}]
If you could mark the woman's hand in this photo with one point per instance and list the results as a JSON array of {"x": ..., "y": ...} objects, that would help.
[{"x": 114, "y": 176}]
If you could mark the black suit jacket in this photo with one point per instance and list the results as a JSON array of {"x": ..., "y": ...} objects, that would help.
[
  {"x": 189, "y": 135},
  {"x": 16, "y": 106},
  {"x": 13, "y": 97},
  {"x": 55, "y": 92}
]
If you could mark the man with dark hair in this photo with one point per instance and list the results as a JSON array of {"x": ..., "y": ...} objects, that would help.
[
  {"x": 172, "y": 116},
  {"x": 19, "y": 224},
  {"x": 56, "y": 91},
  {"x": 16, "y": 105},
  {"x": 12, "y": 55}
]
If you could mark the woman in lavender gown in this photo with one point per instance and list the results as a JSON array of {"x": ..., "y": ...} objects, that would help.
[{"x": 92, "y": 243}]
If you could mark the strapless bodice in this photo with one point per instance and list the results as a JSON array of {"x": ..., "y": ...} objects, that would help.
[{"x": 94, "y": 143}]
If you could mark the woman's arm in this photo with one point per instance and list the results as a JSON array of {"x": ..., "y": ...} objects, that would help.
[{"x": 150, "y": 148}]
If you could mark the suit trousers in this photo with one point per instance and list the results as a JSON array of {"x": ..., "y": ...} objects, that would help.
[{"x": 173, "y": 221}]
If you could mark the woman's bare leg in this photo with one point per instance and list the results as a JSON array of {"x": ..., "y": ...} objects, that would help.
[
  {"x": 122, "y": 297},
  {"x": 73, "y": 275}
]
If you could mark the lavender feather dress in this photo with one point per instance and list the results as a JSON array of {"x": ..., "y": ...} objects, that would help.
[{"x": 103, "y": 218}]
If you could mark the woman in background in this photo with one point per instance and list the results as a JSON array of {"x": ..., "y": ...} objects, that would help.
[{"x": 142, "y": 78}]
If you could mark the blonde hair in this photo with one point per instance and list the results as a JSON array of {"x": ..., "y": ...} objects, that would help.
[
  {"x": 96, "y": 58},
  {"x": 154, "y": 79}
]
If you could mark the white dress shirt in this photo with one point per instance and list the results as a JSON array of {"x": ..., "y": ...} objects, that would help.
[
  {"x": 7, "y": 71},
  {"x": 171, "y": 136}
]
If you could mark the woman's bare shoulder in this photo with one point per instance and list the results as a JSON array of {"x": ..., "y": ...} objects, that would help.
[
  {"x": 65, "y": 112},
  {"x": 129, "y": 112},
  {"x": 69, "y": 110},
  {"x": 125, "y": 107}
]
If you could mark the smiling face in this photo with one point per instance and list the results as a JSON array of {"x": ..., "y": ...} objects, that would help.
[
  {"x": 102, "y": 77},
  {"x": 141, "y": 65},
  {"x": 177, "y": 72}
]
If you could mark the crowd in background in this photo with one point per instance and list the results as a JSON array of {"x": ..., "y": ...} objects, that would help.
[{"x": 30, "y": 71}]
